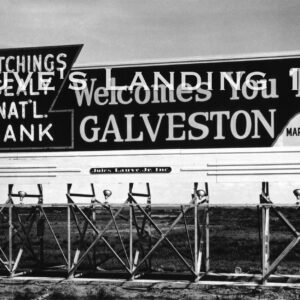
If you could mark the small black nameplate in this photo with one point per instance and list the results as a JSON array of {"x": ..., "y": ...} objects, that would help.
[{"x": 131, "y": 170}]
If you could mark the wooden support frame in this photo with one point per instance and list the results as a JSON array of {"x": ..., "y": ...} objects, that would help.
[
  {"x": 133, "y": 254},
  {"x": 133, "y": 263},
  {"x": 267, "y": 206}
]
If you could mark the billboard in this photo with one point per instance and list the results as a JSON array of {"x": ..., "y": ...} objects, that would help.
[{"x": 47, "y": 104}]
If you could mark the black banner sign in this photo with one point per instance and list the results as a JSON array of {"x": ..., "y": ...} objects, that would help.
[
  {"x": 46, "y": 106},
  {"x": 131, "y": 170},
  {"x": 30, "y": 81}
]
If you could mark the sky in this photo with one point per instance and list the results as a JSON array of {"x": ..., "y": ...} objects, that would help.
[{"x": 118, "y": 31}]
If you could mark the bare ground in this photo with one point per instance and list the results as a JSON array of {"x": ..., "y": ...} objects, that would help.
[
  {"x": 84, "y": 290},
  {"x": 234, "y": 242}
]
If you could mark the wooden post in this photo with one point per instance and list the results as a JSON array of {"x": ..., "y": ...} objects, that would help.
[
  {"x": 10, "y": 238},
  {"x": 130, "y": 232},
  {"x": 94, "y": 236},
  {"x": 207, "y": 259},
  {"x": 69, "y": 236},
  {"x": 41, "y": 226},
  {"x": 149, "y": 211},
  {"x": 131, "y": 262},
  {"x": 196, "y": 254},
  {"x": 265, "y": 241}
]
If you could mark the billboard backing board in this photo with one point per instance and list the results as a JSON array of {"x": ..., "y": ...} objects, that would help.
[{"x": 234, "y": 103}]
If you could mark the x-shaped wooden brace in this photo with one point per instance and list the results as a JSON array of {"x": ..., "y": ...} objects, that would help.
[
  {"x": 91, "y": 212},
  {"x": 163, "y": 237},
  {"x": 141, "y": 231},
  {"x": 99, "y": 235}
]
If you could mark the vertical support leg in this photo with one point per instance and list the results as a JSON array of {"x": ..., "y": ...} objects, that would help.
[
  {"x": 265, "y": 241},
  {"x": 263, "y": 244},
  {"x": 149, "y": 211},
  {"x": 94, "y": 236},
  {"x": 268, "y": 237},
  {"x": 142, "y": 233},
  {"x": 41, "y": 226},
  {"x": 131, "y": 239},
  {"x": 201, "y": 251},
  {"x": 207, "y": 254},
  {"x": 10, "y": 239},
  {"x": 197, "y": 264},
  {"x": 207, "y": 259},
  {"x": 69, "y": 238}
]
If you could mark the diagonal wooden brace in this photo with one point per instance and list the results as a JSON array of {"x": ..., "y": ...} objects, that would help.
[
  {"x": 97, "y": 238},
  {"x": 162, "y": 238}
]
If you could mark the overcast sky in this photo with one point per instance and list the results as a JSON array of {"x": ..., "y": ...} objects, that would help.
[{"x": 135, "y": 30}]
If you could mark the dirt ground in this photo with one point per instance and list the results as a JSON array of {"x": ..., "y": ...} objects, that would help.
[
  {"x": 84, "y": 290},
  {"x": 234, "y": 243}
]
